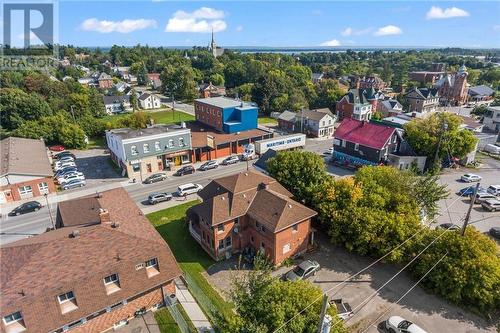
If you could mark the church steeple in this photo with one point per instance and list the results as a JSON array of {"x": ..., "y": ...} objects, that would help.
[{"x": 213, "y": 46}]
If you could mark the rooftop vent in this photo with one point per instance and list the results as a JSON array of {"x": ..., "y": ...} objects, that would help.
[
  {"x": 98, "y": 195},
  {"x": 115, "y": 224},
  {"x": 246, "y": 173},
  {"x": 289, "y": 205},
  {"x": 74, "y": 234},
  {"x": 263, "y": 186}
]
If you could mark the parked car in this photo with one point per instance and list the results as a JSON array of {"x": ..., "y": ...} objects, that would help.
[
  {"x": 187, "y": 189},
  {"x": 302, "y": 271},
  {"x": 231, "y": 160},
  {"x": 65, "y": 158},
  {"x": 185, "y": 170},
  {"x": 59, "y": 166},
  {"x": 209, "y": 165},
  {"x": 482, "y": 196},
  {"x": 329, "y": 151},
  {"x": 448, "y": 226},
  {"x": 157, "y": 197},
  {"x": 493, "y": 149},
  {"x": 63, "y": 154},
  {"x": 70, "y": 177},
  {"x": 494, "y": 189},
  {"x": 27, "y": 207},
  {"x": 466, "y": 191},
  {"x": 344, "y": 309},
  {"x": 470, "y": 177},
  {"x": 396, "y": 324},
  {"x": 157, "y": 177},
  {"x": 491, "y": 205},
  {"x": 495, "y": 232},
  {"x": 57, "y": 148},
  {"x": 65, "y": 171},
  {"x": 73, "y": 184}
]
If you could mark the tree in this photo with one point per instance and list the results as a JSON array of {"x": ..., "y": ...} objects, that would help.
[
  {"x": 217, "y": 79},
  {"x": 328, "y": 93},
  {"x": 300, "y": 172},
  {"x": 72, "y": 136},
  {"x": 271, "y": 91},
  {"x": 16, "y": 106},
  {"x": 258, "y": 293},
  {"x": 179, "y": 81},
  {"x": 136, "y": 120}
]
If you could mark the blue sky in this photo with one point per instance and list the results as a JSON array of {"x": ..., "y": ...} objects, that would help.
[{"x": 281, "y": 23}]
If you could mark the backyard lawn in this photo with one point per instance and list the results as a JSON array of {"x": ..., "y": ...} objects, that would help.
[
  {"x": 165, "y": 322},
  {"x": 193, "y": 260},
  {"x": 169, "y": 117},
  {"x": 267, "y": 120}
]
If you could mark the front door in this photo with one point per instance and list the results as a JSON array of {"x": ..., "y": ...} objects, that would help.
[{"x": 148, "y": 167}]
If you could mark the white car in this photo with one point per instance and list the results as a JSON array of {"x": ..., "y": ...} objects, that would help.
[
  {"x": 59, "y": 166},
  {"x": 68, "y": 178},
  {"x": 187, "y": 189},
  {"x": 494, "y": 189},
  {"x": 470, "y": 177},
  {"x": 396, "y": 324}
]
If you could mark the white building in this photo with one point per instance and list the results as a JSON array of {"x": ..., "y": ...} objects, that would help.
[
  {"x": 491, "y": 119},
  {"x": 149, "y": 101},
  {"x": 117, "y": 104}
]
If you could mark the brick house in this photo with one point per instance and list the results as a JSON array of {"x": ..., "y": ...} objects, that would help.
[
  {"x": 206, "y": 90},
  {"x": 105, "y": 81},
  {"x": 249, "y": 210},
  {"x": 26, "y": 171},
  {"x": 358, "y": 104},
  {"x": 104, "y": 262}
]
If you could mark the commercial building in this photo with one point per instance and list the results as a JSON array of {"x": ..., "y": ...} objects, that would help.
[
  {"x": 226, "y": 114},
  {"x": 105, "y": 262},
  {"x": 26, "y": 171},
  {"x": 250, "y": 212},
  {"x": 140, "y": 152}
]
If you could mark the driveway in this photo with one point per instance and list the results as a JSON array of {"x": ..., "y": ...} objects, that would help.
[
  {"x": 428, "y": 311},
  {"x": 97, "y": 167}
]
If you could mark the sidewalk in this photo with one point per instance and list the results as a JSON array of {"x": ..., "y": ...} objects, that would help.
[{"x": 192, "y": 308}]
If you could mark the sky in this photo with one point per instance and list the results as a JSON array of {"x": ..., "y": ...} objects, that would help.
[{"x": 281, "y": 23}]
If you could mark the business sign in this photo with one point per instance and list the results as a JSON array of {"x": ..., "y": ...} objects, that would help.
[
  {"x": 211, "y": 141},
  {"x": 281, "y": 143}
]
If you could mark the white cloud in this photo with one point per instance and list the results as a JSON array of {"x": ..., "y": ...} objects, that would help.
[
  {"x": 31, "y": 36},
  {"x": 125, "y": 26},
  {"x": 333, "y": 42},
  {"x": 355, "y": 32},
  {"x": 239, "y": 28},
  {"x": 439, "y": 13},
  {"x": 204, "y": 19},
  {"x": 388, "y": 30}
]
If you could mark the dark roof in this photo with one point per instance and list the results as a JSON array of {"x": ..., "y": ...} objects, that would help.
[
  {"x": 363, "y": 133},
  {"x": 252, "y": 193},
  {"x": 287, "y": 116},
  {"x": 115, "y": 99},
  {"x": 36, "y": 270},
  {"x": 199, "y": 134},
  {"x": 390, "y": 104},
  {"x": 424, "y": 92},
  {"x": 144, "y": 96},
  {"x": 361, "y": 96},
  {"x": 262, "y": 161},
  {"x": 22, "y": 156},
  {"x": 88, "y": 212},
  {"x": 481, "y": 90}
]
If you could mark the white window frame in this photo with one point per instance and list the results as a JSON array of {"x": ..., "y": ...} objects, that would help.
[
  {"x": 157, "y": 145},
  {"x": 148, "y": 262},
  {"x": 133, "y": 150},
  {"x": 116, "y": 281},
  {"x": 145, "y": 148},
  {"x": 43, "y": 188},
  {"x": 14, "y": 320},
  {"x": 356, "y": 146},
  {"x": 286, "y": 248},
  {"x": 171, "y": 143},
  {"x": 24, "y": 191},
  {"x": 68, "y": 299},
  {"x": 181, "y": 142}
]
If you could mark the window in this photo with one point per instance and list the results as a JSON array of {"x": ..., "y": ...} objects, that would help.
[
  {"x": 145, "y": 147},
  {"x": 66, "y": 297},
  {"x": 220, "y": 228},
  {"x": 286, "y": 248},
  {"x": 185, "y": 158},
  {"x": 16, "y": 316},
  {"x": 157, "y": 145},
  {"x": 337, "y": 142},
  {"x": 251, "y": 239},
  {"x": 152, "y": 267},
  {"x": 133, "y": 150},
  {"x": 67, "y": 302},
  {"x": 228, "y": 242},
  {"x": 136, "y": 167},
  {"x": 356, "y": 146},
  {"x": 43, "y": 187},
  {"x": 171, "y": 143},
  {"x": 221, "y": 244},
  {"x": 295, "y": 228},
  {"x": 343, "y": 142},
  {"x": 262, "y": 246},
  {"x": 25, "y": 190},
  {"x": 181, "y": 142}
]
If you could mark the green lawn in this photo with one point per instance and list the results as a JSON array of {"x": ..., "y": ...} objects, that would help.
[
  {"x": 267, "y": 120},
  {"x": 169, "y": 117},
  {"x": 193, "y": 260},
  {"x": 165, "y": 322},
  {"x": 115, "y": 118},
  {"x": 97, "y": 142}
]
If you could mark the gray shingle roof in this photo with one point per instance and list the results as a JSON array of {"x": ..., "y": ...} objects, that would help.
[
  {"x": 287, "y": 116},
  {"x": 481, "y": 90},
  {"x": 25, "y": 157},
  {"x": 115, "y": 99}
]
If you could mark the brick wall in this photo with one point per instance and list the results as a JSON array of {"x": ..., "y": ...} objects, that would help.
[
  {"x": 298, "y": 241},
  {"x": 208, "y": 114},
  {"x": 344, "y": 109},
  {"x": 14, "y": 188}
]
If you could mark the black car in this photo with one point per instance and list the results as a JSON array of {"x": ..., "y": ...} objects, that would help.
[
  {"x": 64, "y": 153},
  {"x": 157, "y": 177},
  {"x": 185, "y": 170},
  {"x": 30, "y": 206},
  {"x": 495, "y": 232}
]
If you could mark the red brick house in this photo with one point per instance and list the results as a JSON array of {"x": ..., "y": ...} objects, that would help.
[
  {"x": 25, "y": 169},
  {"x": 206, "y": 90},
  {"x": 358, "y": 104},
  {"x": 249, "y": 210},
  {"x": 104, "y": 262},
  {"x": 105, "y": 81}
]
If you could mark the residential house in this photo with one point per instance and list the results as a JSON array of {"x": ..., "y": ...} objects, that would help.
[
  {"x": 206, "y": 90},
  {"x": 103, "y": 263},
  {"x": 317, "y": 77},
  {"x": 105, "y": 81},
  {"x": 121, "y": 86},
  {"x": 491, "y": 119},
  {"x": 140, "y": 152},
  {"x": 149, "y": 101},
  {"x": 422, "y": 101},
  {"x": 452, "y": 88},
  {"x": 367, "y": 82},
  {"x": 117, "y": 104},
  {"x": 153, "y": 79},
  {"x": 226, "y": 114},
  {"x": 26, "y": 170},
  {"x": 287, "y": 121},
  {"x": 317, "y": 123},
  {"x": 389, "y": 107},
  {"x": 87, "y": 81},
  {"x": 471, "y": 124},
  {"x": 250, "y": 212},
  {"x": 357, "y": 143},
  {"x": 481, "y": 95},
  {"x": 358, "y": 104}
]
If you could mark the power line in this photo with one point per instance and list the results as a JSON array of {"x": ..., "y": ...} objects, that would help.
[{"x": 407, "y": 292}]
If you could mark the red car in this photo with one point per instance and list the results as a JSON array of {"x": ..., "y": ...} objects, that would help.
[{"x": 57, "y": 148}]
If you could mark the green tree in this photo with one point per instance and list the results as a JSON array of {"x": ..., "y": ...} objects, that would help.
[
  {"x": 179, "y": 80},
  {"x": 217, "y": 79},
  {"x": 136, "y": 120},
  {"x": 300, "y": 172},
  {"x": 72, "y": 136},
  {"x": 257, "y": 293},
  {"x": 16, "y": 106}
]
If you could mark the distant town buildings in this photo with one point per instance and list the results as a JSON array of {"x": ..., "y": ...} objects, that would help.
[
  {"x": 358, "y": 104},
  {"x": 206, "y": 90},
  {"x": 250, "y": 212},
  {"x": 422, "y": 101},
  {"x": 116, "y": 104},
  {"x": 105, "y": 81},
  {"x": 435, "y": 73},
  {"x": 453, "y": 88}
]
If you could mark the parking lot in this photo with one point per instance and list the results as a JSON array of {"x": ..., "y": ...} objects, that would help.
[{"x": 97, "y": 167}]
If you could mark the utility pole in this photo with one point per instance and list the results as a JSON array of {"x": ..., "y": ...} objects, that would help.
[
  {"x": 173, "y": 106},
  {"x": 301, "y": 119},
  {"x": 467, "y": 217},
  {"x": 50, "y": 212},
  {"x": 323, "y": 312}
]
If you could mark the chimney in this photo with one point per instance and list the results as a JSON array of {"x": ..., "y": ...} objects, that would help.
[
  {"x": 263, "y": 186},
  {"x": 104, "y": 216},
  {"x": 74, "y": 234}
]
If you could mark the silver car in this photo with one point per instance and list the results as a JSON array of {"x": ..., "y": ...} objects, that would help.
[
  {"x": 304, "y": 270},
  {"x": 157, "y": 197}
]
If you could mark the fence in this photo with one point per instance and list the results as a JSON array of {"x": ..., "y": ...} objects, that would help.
[
  {"x": 205, "y": 303},
  {"x": 178, "y": 318}
]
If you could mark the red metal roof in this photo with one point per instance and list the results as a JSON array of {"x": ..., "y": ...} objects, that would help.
[{"x": 363, "y": 133}]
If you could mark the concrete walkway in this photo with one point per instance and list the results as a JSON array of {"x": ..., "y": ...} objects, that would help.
[
  {"x": 192, "y": 308},
  {"x": 142, "y": 324}
]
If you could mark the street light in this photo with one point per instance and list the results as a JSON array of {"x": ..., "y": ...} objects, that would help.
[{"x": 50, "y": 212}]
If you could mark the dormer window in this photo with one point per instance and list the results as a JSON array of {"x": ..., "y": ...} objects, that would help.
[
  {"x": 14, "y": 323},
  {"x": 67, "y": 302},
  {"x": 152, "y": 268},
  {"x": 112, "y": 283}
]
